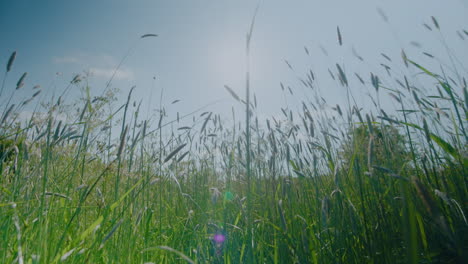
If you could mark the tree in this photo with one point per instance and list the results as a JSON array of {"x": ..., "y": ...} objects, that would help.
[{"x": 383, "y": 147}]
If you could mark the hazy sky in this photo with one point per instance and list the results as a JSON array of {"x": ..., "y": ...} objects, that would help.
[{"x": 201, "y": 45}]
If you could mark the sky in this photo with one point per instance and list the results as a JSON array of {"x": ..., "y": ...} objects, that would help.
[{"x": 201, "y": 47}]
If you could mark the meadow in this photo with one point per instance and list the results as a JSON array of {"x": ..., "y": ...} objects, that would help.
[{"x": 91, "y": 181}]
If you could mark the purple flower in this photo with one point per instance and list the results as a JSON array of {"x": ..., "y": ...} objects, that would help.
[{"x": 219, "y": 238}]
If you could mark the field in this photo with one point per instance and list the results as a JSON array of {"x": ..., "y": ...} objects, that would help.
[{"x": 91, "y": 181}]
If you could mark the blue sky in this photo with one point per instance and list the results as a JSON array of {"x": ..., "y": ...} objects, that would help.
[{"x": 201, "y": 46}]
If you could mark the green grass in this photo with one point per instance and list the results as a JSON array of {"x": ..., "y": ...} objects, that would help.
[{"x": 356, "y": 186}]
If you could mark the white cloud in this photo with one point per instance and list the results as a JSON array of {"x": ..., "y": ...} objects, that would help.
[
  {"x": 99, "y": 65},
  {"x": 107, "y": 73},
  {"x": 85, "y": 59},
  {"x": 67, "y": 60}
]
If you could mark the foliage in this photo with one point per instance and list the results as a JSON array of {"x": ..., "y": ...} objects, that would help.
[
  {"x": 385, "y": 147},
  {"x": 104, "y": 186}
]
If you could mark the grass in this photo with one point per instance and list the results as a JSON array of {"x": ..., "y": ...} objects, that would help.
[{"x": 352, "y": 186}]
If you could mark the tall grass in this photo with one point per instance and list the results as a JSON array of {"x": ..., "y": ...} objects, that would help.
[{"x": 348, "y": 186}]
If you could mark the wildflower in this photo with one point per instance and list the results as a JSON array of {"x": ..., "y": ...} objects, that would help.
[{"x": 219, "y": 238}]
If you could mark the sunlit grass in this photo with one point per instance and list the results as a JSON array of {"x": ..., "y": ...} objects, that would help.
[{"x": 352, "y": 186}]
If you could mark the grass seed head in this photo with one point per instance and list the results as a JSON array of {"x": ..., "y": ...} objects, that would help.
[{"x": 10, "y": 61}]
